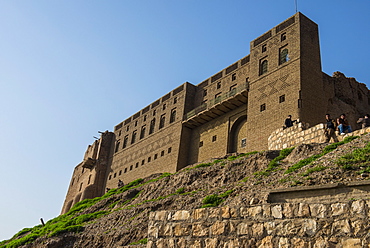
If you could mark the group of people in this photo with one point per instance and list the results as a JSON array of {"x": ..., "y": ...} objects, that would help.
[{"x": 341, "y": 124}]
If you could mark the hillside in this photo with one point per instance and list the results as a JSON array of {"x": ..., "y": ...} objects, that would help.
[{"x": 120, "y": 217}]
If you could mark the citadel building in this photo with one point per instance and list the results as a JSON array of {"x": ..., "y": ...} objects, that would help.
[{"x": 233, "y": 111}]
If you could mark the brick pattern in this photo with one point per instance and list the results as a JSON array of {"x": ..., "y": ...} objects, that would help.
[{"x": 296, "y": 225}]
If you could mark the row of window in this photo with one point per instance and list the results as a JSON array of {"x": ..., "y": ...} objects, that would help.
[
  {"x": 281, "y": 100},
  {"x": 283, "y": 57},
  {"x": 214, "y": 139},
  {"x": 164, "y": 107},
  {"x": 219, "y": 84},
  {"x": 143, "y": 130},
  {"x": 149, "y": 159}
]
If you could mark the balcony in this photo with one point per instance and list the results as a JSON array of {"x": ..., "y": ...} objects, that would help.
[{"x": 217, "y": 107}]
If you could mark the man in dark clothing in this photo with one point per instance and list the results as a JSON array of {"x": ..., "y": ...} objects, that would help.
[
  {"x": 329, "y": 129},
  {"x": 288, "y": 122},
  {"x": 343, "y": 125},
  {"x": 365, "y": 122}
]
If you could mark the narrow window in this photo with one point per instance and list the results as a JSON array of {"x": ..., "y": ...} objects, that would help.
[
  {"x": 80, "y": 186},
  {"x": 204, "y": 92},
  {"x": 283, "y": 37},
  {"x": 263, "y": 67},
  {"x": 127, "y": 128},
  {"x": 133, "y": 138},
  {"x": 110, "y": 177},
  {"x": 162, "y": 153},
  {"x": 88, "y": 181},
  {"x": 73, "y": 180},
  {"x": 169, "y": 150},
  {"x": 149, "y": 159},
  {"x": 125, "y": 170},
  {"x": 144, "y": 117},
  {"x": 125, "y": 141},
  {"x": 154, "y": 112},
  {"x": 162, "y": 121},
  {"x": 214, "y": 138},
  {"x": 142, "y": 132},
  {"x": 263, "y": 107},
  {"x": 120, "y": 173},
  {"x": 131, "y": 167},
  {"x": 200, "y": 143},
  {"x": 243, "y": 143},
  {"x": 175, "y": 100},
  {"x": 283, "y": 56},
  {"x": 115, "y": 174},
  {"x": 137, "y": 164},
  {"x": 218, "y": 85},
  {"x": 164, "y": 106},
  {"x": 264, "y": 48},
  {"x": 233, "y": 77},
  {"x": 142, "y": 162},
  {"x": 117, "y": 146},
  {"x": 155, "y": 156},
  {"x": 83, "y": 169},
  {"x": 152, "y": 125},
  {"x": 218, "y": 98},
  {"x": 281, "y": 98},
  {"x": 120, "y": 132},
  {"x": 173, "y": 115},
  {"x": 135, "y": 123}
]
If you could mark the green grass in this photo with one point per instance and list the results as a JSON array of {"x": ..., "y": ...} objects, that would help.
[
  {"x": 215, "y": 199},
  {"x": 231, "y": 158},
  {"x": 275, "y": 162},
  {"x": 357, "y": 158},
  {"x": 140, "y": 242},
  {"x": 314, "y": 169},
  {"x": 326, "y": 150}
]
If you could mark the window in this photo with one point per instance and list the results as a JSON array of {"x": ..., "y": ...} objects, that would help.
[
  {"x": 283, "y": 56},
  {"x": 110, "y": 177},
  {"x": 232, "y": 90},
  {"x": 133, "y": 138},
  {"x": 218, "y": 98},
  {"x": 144, "y": 117},
  {"x": 152, "y": 125},
  {"x": 173, "y": 115},
  {"x": 135, "y": 123},
  {"x": 125, "y": 170},
  {"x": 233, "y": 77},
  {"x": 143, "y": 162},
  {"x": 117, "y": 146},
  {"x": 155, "y": 156},
  {"x": 131, "y": 167},
  {"x": 204, "y": 92},
  {"x": 263, "y": 107},
  {"x": 175, "y": 100},
  {"x": 264, "y": 48},
  {"x": 200, "y": 143},
  {"x": 154, "y": 112},
  {"x": 263, "y": 67},
  {"x": 243, "y": 143},
  {"x": 281, "y": 98},
  {"x": 214, "y": 138},
  {"x": 164, "y": 106},
  {"x": 137, "y": 164},
  {"x": 127, "y": 128},
  {"x": 125, "y": 141},
  {"x": 115, "y": 174},
  {"x": 218, "y": 85},
  {"x": 162, "y": 153},
  {"x": 162, "y": 121},
  {"x": 80, "y": 186},
  {"x": 120, "y": 132},
  {"x": 149, "y": 159},
  {"x": 169, "y": 150},
  {"x": 142, "y": 132},
  {"x": 283, "y": 37},
  {"x": 88, "y": 182},
  {"x": 120, "y": 173}
]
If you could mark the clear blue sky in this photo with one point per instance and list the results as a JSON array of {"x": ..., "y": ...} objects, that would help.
[{"x": 69, "y": 69}]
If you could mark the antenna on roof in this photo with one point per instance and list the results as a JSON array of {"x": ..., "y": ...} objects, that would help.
[{"x": 296, "y": 6}]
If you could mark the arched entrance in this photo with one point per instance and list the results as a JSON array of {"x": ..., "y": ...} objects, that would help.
[{"x": 237, "y": 133}]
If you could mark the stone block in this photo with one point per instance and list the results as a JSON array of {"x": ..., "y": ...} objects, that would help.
[
  {"x": 340, "y": 227},
  {"x": 276, "y": 212},
  {"x": 218, "y": 228},
  {"x": 166, "y": 230},
  {"x": 257, "y": 230},
  {"x": 181, "y": 215},
  {"x": 310, "y": 227},
  {"x": 266, "y": 208},
  {"x": 339, "y": 209},
  {"x": 242, "y": 229},
  {"x": 200, "y": 230},
  {"x": 255, "y": 212},
  {"x": 318, "y": 210},
  {"x": 214, "y": 213},
  {"x": 303, "y": 210},
  {"x": 290, "y": 210},
  {"x": 352, "y": 243},
  {"x": 225, "y": 213},
  {"x": 270, "y": 227},
  {"x": 358, "y": 207},
  {"x": 266, "y": 243},
  {"x": 153, "y": 231},
  {"x": 160, "y": 215},
  {"x": 195, "y": 244},
  {"x": 200, "y": 213},
  {"x": 211, "y": 243},
  {"x": 182, "y": 229},
  {"x": 299, "y": 243},
  {"x": 284, "y": 242}
]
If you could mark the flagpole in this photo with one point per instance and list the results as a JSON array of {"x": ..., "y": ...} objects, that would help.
[{"x": 296, "y": 6}]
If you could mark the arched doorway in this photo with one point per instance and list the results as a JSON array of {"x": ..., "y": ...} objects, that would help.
[{"x": 237, "y": 133}]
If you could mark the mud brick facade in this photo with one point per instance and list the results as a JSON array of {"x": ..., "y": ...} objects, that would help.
[{"x": 233, "y": 111}]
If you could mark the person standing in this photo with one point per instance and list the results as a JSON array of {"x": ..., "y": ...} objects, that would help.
[
  {"x": 288, "y": 122},
  {"x": 329, "y": 131}
]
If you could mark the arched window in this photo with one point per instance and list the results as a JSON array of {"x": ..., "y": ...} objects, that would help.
[
  {"x": 133, "y": 138},
  {"x": 173, "y": 115},
  {"x": 142, "y": 133},
  {"x": 284, "y": 57},
  {"x": 263, "y": 67},
  {"x": 162, "y": 121}
]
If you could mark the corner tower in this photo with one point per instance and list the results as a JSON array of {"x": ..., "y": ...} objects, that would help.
[{"x": 285, "y": 78}]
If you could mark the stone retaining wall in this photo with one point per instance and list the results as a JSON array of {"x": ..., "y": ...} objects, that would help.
[
  {"x": 300, "y": 133},
  {"x": 295, "y": 225}
]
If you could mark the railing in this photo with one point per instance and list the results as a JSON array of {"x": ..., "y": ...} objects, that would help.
[{"x": 219, "y": 99}]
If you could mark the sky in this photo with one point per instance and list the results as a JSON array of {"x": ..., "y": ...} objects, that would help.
[{"x": 69, "y": 69}]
